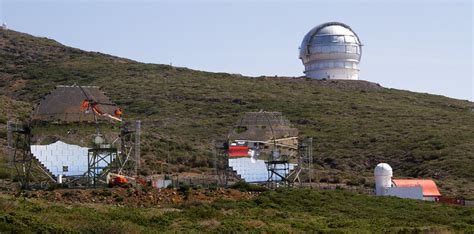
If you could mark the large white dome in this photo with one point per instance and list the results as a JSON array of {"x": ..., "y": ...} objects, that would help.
[{"x": 331, "y": 51}]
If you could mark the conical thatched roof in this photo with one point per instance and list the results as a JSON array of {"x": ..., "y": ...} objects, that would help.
[
  {"x": 262, "y": 126},
  {"x": 63, "y": 105}
]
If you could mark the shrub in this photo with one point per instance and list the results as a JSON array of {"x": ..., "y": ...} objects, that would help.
[
  {"x": 244, "y": 186},
  {"x": 185, "y": 190},
  {"x": 105, "y": 193}
]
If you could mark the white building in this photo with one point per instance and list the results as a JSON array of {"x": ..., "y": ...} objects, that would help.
[
  {"x": 331, "y": 51},
  {"x": 403, "y": 188}
]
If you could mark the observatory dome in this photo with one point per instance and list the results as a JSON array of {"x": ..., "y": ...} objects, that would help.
[
  {"x": 383, "y": 169},
  {"x": 331, "y": 51}
]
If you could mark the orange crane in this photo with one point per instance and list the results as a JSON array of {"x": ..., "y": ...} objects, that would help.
[{"x": 90, "y": 105}]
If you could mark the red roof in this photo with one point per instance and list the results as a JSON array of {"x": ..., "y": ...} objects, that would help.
[
  {"x": 428, "y": 186},
  {"x": 238, "y": 151}
]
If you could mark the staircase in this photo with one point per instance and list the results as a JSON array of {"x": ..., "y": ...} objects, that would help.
[{"x": 43, "y": 169}]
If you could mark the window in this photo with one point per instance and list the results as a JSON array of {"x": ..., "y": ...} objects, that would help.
[
  {"x": 339, "y": 64},
  {"x": 319, "y": 40},
  {"x": 327, "y": 39},
  {"x": 331, "y": 49},
  {"x": 350, "y": 39},
  {"x": 348, "y": 65},
  {"x": 351, "y": 49},
  {"x": 65, "y": 168}
]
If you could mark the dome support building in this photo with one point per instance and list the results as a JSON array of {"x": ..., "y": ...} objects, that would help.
[
  {"x": 404, "y": 188},
  {"x": 331, "y": 51}
]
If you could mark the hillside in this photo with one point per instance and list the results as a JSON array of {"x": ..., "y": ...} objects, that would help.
[
  {"x": 355, "y": 124},
  {"x": 289, "y": 210}
]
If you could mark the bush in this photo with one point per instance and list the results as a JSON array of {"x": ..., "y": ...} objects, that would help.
[
  {"x": 185, "y": 190},
  {"x": 335, "y": 180},
  {"x": 4, "y": 174},
  {"x": 356, "y": 181},
  {"x": 105, "y": 193},
  {"x": 244, "y": 187},
  {"x": 118, "y": 199}
]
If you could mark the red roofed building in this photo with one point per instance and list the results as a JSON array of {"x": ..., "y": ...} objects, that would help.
[
  {"x": 404, "y": 188},
  {"x": 429, "y": 189}
]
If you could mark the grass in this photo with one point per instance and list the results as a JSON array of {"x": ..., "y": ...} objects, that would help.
[
  {"x": 355, "y": 125},
  {"x": 284, "y": 210}
]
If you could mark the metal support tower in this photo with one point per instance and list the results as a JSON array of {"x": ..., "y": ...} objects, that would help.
[
  {"x": 24, "y": 166},
  {"x": 21, "y": 159},
  {"x": 129, "y": 158},
  {"x": 100, "y": 162},
  {"x": 278, "y": 171},
  {"x": 305, "y": 157},
  {"x": 221, "y": 163},
  {"x": 138, "y": 125}
]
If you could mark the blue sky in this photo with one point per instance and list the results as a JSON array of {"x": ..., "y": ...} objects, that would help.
[{"x": 422, "y": 46}]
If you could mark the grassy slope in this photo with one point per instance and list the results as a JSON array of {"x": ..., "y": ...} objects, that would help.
[
  {"x": 276, "y": 211},
  {"x": 9, "y": 110},
  {"x": 355, "y": 124}
]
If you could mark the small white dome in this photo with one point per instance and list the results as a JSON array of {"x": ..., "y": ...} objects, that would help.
[{"x": 383, "y": 169}]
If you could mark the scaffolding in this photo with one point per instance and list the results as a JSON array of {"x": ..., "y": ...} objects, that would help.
[
  {"x": 305, "y": 157},
  {"x": 278, "y": 173},
  {"x": 129, "y": 157},
  {"x": 100, "y": 162},
  {"x": 23, "y": 165},
  {"x": 104, "y": 159},
  {"x": 221, "y": 166},
  {"x": 21, "y": 159}
]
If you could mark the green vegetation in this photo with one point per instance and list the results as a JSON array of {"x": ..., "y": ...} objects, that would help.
[
  {"x": 355, "y": 124},
  {"x": 285, "y": 210},
  {"x": 9, "y": 110},
  {"x": 244, "y": 187}
]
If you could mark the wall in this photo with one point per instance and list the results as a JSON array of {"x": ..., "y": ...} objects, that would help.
[{"x": 415, "y": 192}]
